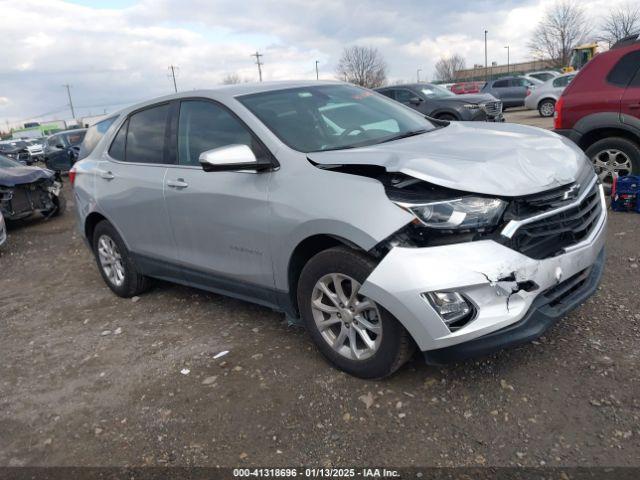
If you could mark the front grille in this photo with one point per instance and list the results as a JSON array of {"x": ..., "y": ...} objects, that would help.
[
  {"x": 492, "y": 108},
  {"x": 549, "y": 236},
  {"x": 21, "y": 201}
]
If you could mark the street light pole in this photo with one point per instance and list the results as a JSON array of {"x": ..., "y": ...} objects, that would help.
[
  {"x": 486, "y": 67},
  {"x": 507, "y": 47},
  {"x": 317, "y": 74},
  {"x": 418, "y": 74}
]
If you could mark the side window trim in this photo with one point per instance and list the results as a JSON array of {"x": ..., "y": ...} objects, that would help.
[{"x": 174, "y": 134}]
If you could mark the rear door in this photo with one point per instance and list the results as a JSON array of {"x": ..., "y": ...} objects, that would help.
[
  {"x": 500, "y": 89},
  {"x": 220, "y": 220},
  {"x": 57, "y": 153},
  {"x": 129, "y": 187}
]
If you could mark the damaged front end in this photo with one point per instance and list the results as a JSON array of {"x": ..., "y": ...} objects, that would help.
[
  {"x": 22, "y": 200},
  {"x": 473, "y": 272}
]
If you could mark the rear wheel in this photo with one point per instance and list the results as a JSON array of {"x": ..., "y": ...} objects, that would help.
[
  {"x": 352, "y": 331},
  {"x": 115, "y": 263},
  {"x": 614, "y": 157},
  {"x": 547, "y": 108}
]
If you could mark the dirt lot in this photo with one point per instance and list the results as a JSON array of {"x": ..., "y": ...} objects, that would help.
[{"x": 87, "y": 378}]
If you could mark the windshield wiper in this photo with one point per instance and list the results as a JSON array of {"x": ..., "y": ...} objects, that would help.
[{"x": 410, "y": 133}]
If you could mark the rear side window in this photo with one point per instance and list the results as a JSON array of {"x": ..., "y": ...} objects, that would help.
[
  {"x": 93, "y": 136},
  {"x": 146, "y": 135},
  {"x": 562, "y": 81},
  {"x": 623, "y": 71},
  {"x": 501, "y": 84},
  {"x": 116, "y": 151}
]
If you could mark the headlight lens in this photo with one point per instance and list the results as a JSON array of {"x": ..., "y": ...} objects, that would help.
[
  {"x": 471, "y": 106},
  {"x": 459, "y": 214}
]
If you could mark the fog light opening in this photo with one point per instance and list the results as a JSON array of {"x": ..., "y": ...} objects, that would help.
[{"x": 454, "y": 309}]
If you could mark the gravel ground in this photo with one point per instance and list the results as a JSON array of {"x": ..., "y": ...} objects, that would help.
[{"x": 87, "y": 378}]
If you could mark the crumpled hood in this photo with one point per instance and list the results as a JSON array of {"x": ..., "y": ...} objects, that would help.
[
  {"x": 472, "y": 98},
  {"x": 12, "y": 176},
  {"x": 495, "y": 159}
]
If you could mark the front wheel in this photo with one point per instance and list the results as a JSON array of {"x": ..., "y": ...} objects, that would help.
[
  {"x": 59, "y": 206},
  {"x": 447, "y": 116},
  {"x": 352, "y": 331},
  {"x": 547, "y": 108},
  {"x": 614, "y": 157}
]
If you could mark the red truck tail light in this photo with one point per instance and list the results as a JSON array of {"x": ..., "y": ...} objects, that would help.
[
  {"x": 72, "y": 176},
  {"x": 528, "y": 92},
  {"x": 557, "y": 116}
]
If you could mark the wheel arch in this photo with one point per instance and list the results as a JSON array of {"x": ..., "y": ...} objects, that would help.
[
  {"x": 90, "y": 225},
  {"x": 302, "y": 253},
  {"x": 592, "y": 136},
  {"x": 554, "y": 100}
]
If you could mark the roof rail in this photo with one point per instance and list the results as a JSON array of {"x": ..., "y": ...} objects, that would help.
[{"x": 626, "y": 41}]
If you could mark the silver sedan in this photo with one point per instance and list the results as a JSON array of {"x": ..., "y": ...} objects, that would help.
[{"x": 543, "y": 98}]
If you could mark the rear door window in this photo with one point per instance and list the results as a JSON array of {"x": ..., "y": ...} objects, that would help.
[
  {"x": 501, "y": 84},
  {"x": 623, "y": 71},
  {"x": 145, "y": 141}
]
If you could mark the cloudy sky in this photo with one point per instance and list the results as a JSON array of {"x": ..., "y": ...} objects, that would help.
[{"x": 114, "y": 53}]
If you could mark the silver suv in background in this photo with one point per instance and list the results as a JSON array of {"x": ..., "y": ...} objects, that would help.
[{"x": 382, "y": 231}]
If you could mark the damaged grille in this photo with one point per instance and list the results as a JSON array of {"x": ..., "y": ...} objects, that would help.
[
  {"x": 549, "y": 236},
  {"x": 556, "y": 295},
  {"x": 492, "y": 108}
]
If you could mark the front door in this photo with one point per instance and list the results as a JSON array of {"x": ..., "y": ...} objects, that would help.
[{"x": 220, "y": 220}]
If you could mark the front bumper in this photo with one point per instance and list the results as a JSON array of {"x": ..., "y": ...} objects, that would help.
[{"x": 486, "y": 273}]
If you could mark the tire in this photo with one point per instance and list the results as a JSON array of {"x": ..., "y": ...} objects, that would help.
[
  {"x": 393, "y": 347},
  {"x": 447, "y": 116},
  {"x": 547, "y": 107},
  {"x": 612, "y": 157},
  {"x": 60, "y": 207},
  {"x": 130, "y": 282}
]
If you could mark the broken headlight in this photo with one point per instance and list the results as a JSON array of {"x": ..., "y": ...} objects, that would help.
[{"x": 466, "y": 213}]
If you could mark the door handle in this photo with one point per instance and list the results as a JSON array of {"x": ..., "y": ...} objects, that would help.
[
  {"x": 178, "y": 183},
  {"x": 106, "y": 175}
]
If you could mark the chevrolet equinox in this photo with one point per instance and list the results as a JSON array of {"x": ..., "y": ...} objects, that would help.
[{"x": 382, "y": 230}]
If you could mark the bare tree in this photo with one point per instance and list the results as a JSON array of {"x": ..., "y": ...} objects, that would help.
[
  {"x": 447, "y": 67},
  {"x": 619, "y": 23},
  {"x": 231, "y": 79},
  {"x": 363, "y": 66},
  {"x": 563, "y": 27}
]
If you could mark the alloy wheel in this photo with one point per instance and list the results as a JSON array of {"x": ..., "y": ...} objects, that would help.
[
  {"x": 349, "y": 322},
  {"x": 547, "y": 109},
  {"x": 610, "y": 164},
  {"x": 111, "y": 260}
]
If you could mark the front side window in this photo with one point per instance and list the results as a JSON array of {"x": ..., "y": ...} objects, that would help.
[
  {"x": 146, "y": 135},
  {"x": 404, "y": 96},
  {"x": 54, "y": 141},
  {"x": 333, "y": 117},
  {"x": 204, "y": 126},
  {"x": 563, "y": 81},
  {"x": 436, "y": 92}
]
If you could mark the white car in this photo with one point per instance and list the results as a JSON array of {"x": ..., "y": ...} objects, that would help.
[
  {"x": 543, "y": 75},
  {"x": 544, "y": 97}
]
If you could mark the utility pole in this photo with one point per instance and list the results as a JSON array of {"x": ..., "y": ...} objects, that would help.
[
  {"x": 418, "y": 74},
  {"x": 317, "y": 74},
  {"x": 68, "y": 87},
  {"x": 486, "y": 66},
  {"x": 507, "y": 47},
  {"x": 173, "y": 69},
  {"x": 259, "y": 63}
]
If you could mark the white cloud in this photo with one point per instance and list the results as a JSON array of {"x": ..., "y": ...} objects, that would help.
[{"x": 116, "y": 56}]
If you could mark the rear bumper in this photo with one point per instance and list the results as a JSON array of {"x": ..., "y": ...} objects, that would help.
[{"x": 543, "y": 313}]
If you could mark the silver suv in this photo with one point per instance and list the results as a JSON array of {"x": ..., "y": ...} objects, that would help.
[{"x": 381, "y": 230}]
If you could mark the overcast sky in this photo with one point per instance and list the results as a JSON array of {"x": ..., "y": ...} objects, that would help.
[{"x": 114, "y": 53}]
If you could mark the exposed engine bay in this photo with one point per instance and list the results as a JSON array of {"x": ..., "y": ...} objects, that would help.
[{"x": 22, "y": 200}]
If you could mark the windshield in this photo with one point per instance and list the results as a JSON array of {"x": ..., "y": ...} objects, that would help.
[
  {"x": 333, "y": 117},
  {"x": 436, "y": 92},
  {"x": 8, "y": 163}
]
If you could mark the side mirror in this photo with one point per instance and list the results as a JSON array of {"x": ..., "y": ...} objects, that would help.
[
  {"x": 230, "y": 158},
  {"x": 415, "y": 100}
]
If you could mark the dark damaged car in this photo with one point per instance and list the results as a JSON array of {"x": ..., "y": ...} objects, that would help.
[{"x": 28, "y": 190}]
